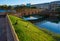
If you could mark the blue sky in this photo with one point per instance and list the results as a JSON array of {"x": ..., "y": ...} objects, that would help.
[{"x": 15, "y": 2}]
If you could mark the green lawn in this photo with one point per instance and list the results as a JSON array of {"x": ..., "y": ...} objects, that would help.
[{"x": 26, "y": 31}]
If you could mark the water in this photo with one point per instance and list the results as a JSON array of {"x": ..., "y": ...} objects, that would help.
[
  {"x": 51, "y": 26},
  {"x": 30, "y": 18},
  {"x": 4, "y": 10}
]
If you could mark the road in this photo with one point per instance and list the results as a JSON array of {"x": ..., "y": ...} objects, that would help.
[{"x": 5, "y": 32}]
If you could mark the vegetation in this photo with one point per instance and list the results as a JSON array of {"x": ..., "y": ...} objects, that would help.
[
  {"x": 22, "y": 8},
  {"x": 17, "y": 7},
  {"x": 57, "y": 9},
  {"x": 54, "y": 35},
  {"x": 26, "y": 31},
  {"x": 5, "y": 7}
]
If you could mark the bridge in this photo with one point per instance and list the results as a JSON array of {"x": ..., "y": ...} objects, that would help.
[{"x": 7, "y": 32}]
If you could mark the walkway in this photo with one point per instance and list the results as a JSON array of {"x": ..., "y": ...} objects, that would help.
[{"x": 5, "y": 32}]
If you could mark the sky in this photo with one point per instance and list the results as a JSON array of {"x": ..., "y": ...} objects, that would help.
[{"x": 19, "y": 2}]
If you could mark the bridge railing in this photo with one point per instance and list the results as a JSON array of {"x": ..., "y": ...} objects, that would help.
[{"x": 15, "y": 37}]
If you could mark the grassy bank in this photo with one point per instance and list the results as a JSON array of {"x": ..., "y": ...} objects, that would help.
[{"x": 26, "y": 31}]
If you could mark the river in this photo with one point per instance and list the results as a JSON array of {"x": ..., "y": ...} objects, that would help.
[{"x": 53, "y": 26}]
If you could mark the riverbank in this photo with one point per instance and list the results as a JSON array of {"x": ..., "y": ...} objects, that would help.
[{"x": 26, "y": 31}]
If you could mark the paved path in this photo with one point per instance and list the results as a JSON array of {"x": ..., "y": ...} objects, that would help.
[{"x": 5, "y": 32}]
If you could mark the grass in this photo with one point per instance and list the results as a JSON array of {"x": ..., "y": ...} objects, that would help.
[{"x": 26, "y": 31}]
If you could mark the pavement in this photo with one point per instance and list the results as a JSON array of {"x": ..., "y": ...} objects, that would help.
[{"x": 5, "y": 31}]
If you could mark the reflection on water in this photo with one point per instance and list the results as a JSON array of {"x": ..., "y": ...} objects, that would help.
[
  {"x": 49, "y": 24},
  {"x": 30, "y": 18},
  {"x": 54, "y": 27}
]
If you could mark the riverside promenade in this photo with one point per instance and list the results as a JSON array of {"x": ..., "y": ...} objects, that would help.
[{"x": 6, "y": 33}]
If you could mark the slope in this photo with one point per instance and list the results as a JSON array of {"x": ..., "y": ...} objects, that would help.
[{"x": 26, "y": 31}]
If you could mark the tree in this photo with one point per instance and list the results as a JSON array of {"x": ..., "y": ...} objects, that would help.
[
  {"x": 10, "y": 7},
  {"x": 57, "y": 9}
]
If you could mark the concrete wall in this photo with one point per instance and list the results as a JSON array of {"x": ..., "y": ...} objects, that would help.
[{"x": 15, "y": 37}]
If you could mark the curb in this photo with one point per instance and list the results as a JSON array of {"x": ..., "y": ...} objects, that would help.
[{"x": 13, "y": 30}]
